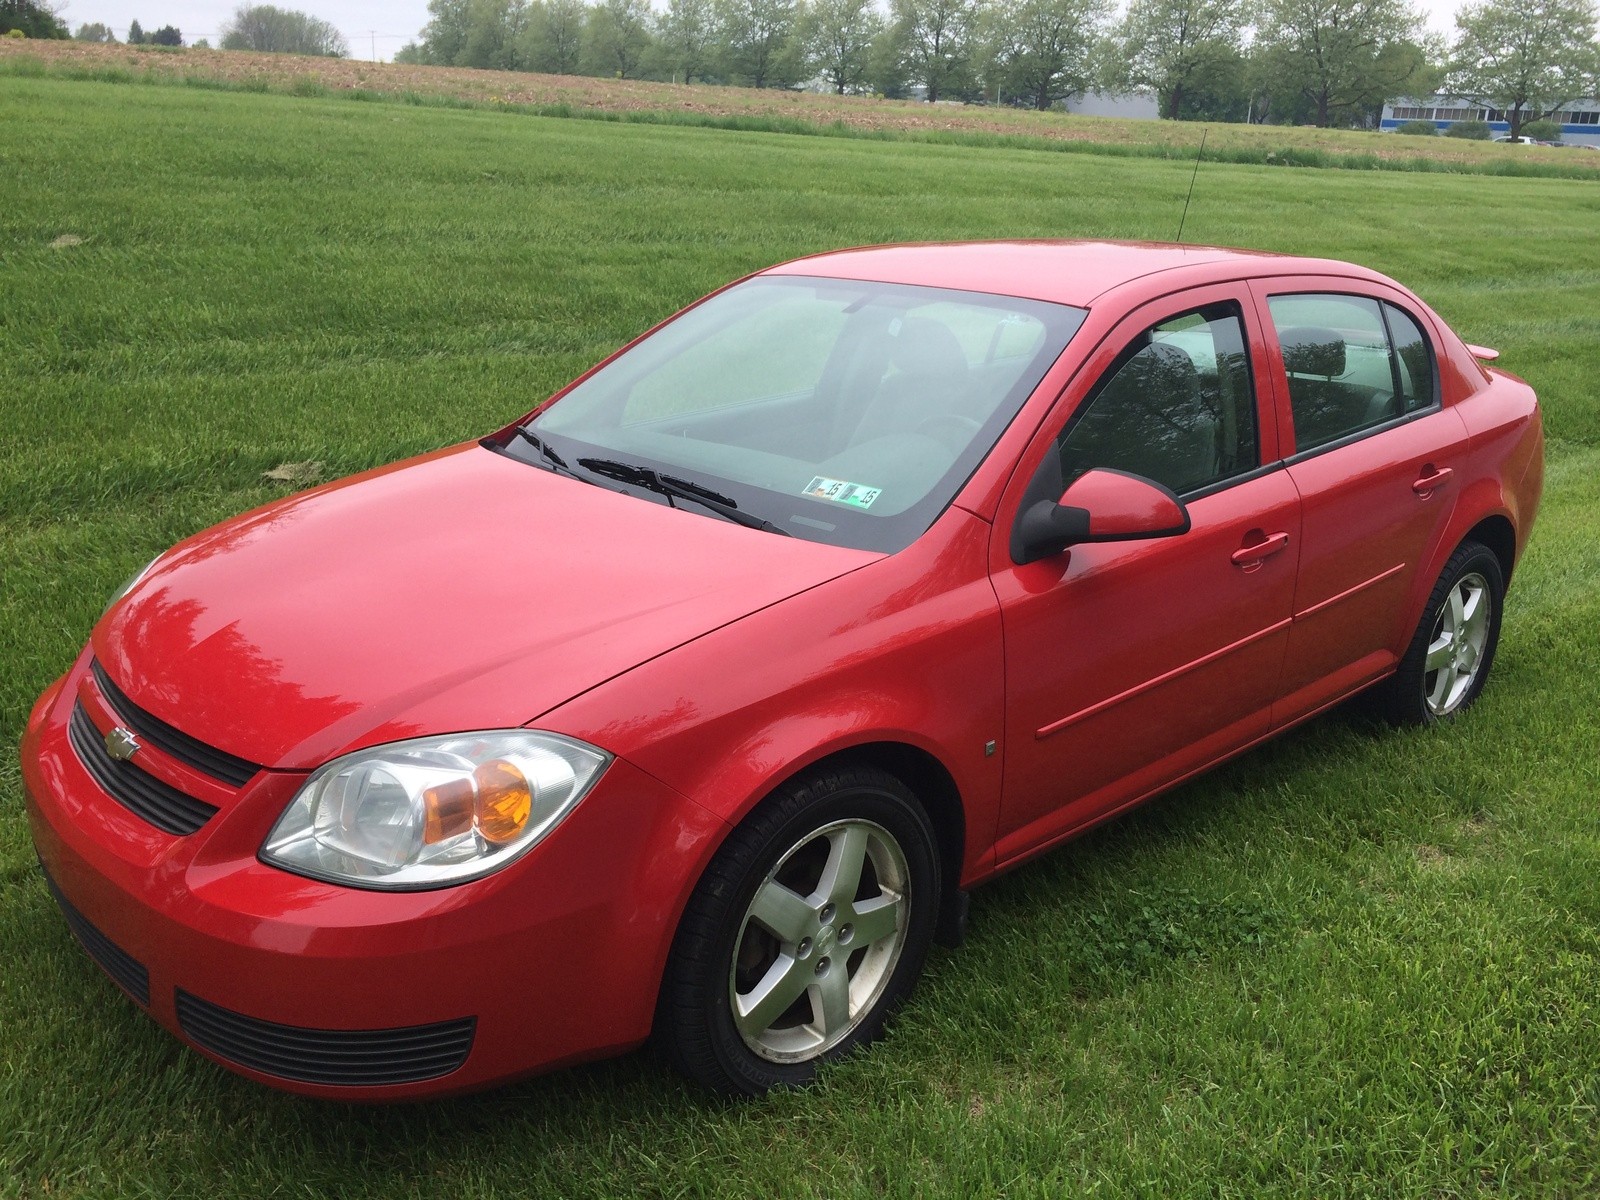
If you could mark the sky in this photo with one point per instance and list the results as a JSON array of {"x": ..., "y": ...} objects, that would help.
[
  {"x": 373, "y": 29},
  {"x": 366, "y": 24}
]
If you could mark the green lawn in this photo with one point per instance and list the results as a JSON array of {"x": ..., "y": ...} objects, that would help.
[
  {"x": 1353, "y": 963},
  {"x": 776, "y": 110}
]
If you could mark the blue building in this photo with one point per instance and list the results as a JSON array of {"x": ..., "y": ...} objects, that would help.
[{"x": 1579, "y": 121}]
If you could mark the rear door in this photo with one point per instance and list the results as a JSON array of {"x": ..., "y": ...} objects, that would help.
[{"x": 1374, "y": 458}]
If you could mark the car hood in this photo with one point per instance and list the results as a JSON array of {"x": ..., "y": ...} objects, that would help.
[{"x": 462, "y": 590}]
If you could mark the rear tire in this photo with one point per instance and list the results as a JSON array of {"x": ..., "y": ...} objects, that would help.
[
  {"x": 1448, "y": 661},
  {"x": 807, "y": 931}
]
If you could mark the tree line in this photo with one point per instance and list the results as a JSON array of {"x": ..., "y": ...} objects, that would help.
[
  {"x": 260, "y": 27},
  {"x": 95, "y": 31},
  {"x": 1322, "y": 62},
  {"x": 42, "y": 19}
]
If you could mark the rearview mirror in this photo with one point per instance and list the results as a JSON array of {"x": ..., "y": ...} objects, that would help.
[{"x": 1102, "y": 505}]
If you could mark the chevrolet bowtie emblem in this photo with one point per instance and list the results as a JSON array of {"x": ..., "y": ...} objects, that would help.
[{"x": 121, "y": 744}]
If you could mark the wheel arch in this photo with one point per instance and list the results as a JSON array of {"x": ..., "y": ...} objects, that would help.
[
  {"x": 922, "y": 771},
  {"x": 1478, "y": 518},
  {"x": 1498, "y": 534},
  {"x": 931, "y": 785},
  {"x": 930, "y": 782}
]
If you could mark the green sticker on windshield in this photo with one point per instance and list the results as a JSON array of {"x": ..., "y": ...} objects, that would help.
[{"x": 842, "y": 491}]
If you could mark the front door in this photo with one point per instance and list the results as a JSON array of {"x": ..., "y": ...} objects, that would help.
[{"x": 1131, "y": 664}]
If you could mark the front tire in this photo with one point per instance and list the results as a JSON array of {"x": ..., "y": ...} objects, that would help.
[
  {"x": 808, "y": 929},
  {"x": 1448, "y": 661}
]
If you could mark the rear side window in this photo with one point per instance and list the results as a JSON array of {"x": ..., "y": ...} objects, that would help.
[
  {"x": 1177, "y": 406},
  {"x": 1352, "y": 362},
  {"x": 1413, "y": 360}
]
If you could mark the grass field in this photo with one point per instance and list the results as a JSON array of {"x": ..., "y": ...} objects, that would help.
[
  {"x": 781, "y": 110},
  {"x": 1353, "y": 963}
]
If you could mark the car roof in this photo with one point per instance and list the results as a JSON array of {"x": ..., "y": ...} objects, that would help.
[{"x": 1063, "y": 272}]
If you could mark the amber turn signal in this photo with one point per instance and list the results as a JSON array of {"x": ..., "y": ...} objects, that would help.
[
  {"x": 447, "y": 810},
  {"x": 505, "y": 800}
]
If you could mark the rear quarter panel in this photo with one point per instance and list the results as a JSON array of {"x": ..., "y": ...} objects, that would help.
[
  {"x": 1507, "y": 431},
  {"x": 1504, "y": 475}
]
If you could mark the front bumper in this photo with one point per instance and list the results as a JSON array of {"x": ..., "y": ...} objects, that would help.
[{"x": 353, "y": 994}]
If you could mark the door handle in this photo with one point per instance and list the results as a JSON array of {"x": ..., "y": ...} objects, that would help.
[
  {"x": 1253, "y": 554},
  {"x": 1431, "y": 480}
]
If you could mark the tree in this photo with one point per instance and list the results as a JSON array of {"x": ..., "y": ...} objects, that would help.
[
  {"x": 936, "y": 37},
  {"x": 136, "y": 36},
  {"x": 1528, "y": 58},
  {"x": 837, "y": 37},
  {"x": 1542, "y": 131},
  {"x": 32, "y": 19},
  {"x": 1044, "y": 49},
  {"x": 167, "y": 35},
  {"x": 758, "y": 40},
  {"x": 1165, "y": 44},
  {"x": 686, "y": 36},
  {"x": 886, "y": 63},
  {"x": 95, "y": 32},
  {"x": 1221, "y": 89},
  {"x": 273, "y": 30},
  {"x": 554, "y": 40},
  {"x": 618, "y": 35},
  {"x": 1343, "y": 56},
  {"x": 445, "y": 34},
  {"x": 495, "y": 35}
]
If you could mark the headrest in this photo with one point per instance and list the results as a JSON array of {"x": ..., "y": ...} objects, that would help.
[
  {"x": 1312, "y": 350},
  {"x": 927, "y": 347},
  {"x": 1160, "y": 369}
]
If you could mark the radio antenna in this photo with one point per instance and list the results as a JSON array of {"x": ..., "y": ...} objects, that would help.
[{"x": 1190, "y": 196}]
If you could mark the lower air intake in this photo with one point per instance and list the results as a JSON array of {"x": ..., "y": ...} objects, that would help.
[
  {"x": 340, "y": 1057},
  {"x": 128, "y": 972}
]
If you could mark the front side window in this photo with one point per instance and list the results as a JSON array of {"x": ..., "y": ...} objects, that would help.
[
  {"x": 1352, "y": 363},
  {"x": 840, "y": 411},
  {"x": 1177, "y": 406}
]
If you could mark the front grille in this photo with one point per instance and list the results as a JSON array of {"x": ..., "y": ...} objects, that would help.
[
  {"x": 173, "y": 742},
  {"x": 141, "y": 793},
  {"x": 342, "y": 1057},
  {"x": 129, "y": 973}
]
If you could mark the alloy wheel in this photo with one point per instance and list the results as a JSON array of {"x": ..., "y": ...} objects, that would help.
[
  {"x": 1456, "y": 648},
  {"x": 819, "y": 941}
]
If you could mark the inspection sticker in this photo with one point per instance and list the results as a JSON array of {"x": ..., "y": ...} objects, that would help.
[{"x": 857, "y": 495}]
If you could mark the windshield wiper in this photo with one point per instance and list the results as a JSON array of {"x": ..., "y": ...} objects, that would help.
[
  {"x": 543, "y": 447},
  {"x": 673, "y": 488}
]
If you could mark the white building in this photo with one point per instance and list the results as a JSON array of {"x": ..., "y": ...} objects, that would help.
[
  {"x": 1139, "y": 105},
  {"x": 1579, "y": 121},
  {"x": 1136, "y": 105}
]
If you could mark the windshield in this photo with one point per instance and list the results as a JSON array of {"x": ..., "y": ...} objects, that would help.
[{"x": 843, "y": 412}]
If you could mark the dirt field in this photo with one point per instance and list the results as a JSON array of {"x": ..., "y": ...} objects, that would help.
[{"x": 280, "y": 72}]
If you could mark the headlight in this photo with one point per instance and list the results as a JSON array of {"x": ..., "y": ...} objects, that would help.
[
  {"x": 127, "y": 587},
  {"x": 434, "y": 811}
]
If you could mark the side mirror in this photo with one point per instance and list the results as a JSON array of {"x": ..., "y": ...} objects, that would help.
[
  {"x": 1102, "y": 505},
  {"x": 1125, "y": 507}
]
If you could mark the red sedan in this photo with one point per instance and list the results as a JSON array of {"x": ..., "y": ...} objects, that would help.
[{"x": 688, "y": 706}]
